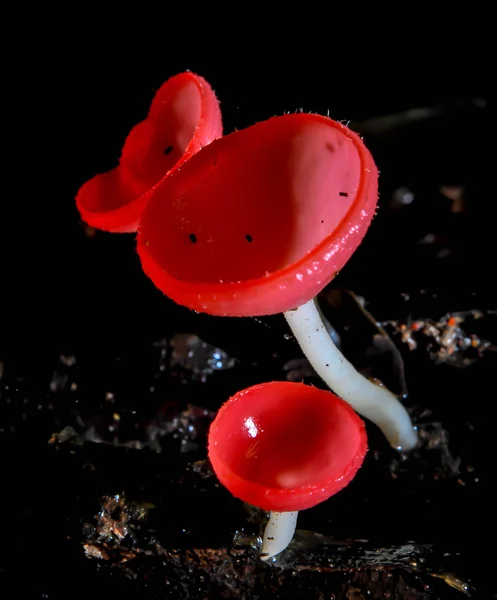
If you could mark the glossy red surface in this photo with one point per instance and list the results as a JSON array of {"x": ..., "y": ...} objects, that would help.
[
  {"x": 261, "y": 220},
  {"x": 183, "y": 117},
  {"x": 285, "y": 446}
]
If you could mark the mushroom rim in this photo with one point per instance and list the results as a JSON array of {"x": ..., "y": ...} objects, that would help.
[
  {"x": 272, "y": 493},
  {"x": 116, "y": 213},
  {"x": 186, "y": 290}
]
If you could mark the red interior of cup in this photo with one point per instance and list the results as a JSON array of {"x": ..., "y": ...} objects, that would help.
[
  {"x": 183, "y": 117},
  {"x": 261, "y": 220},
  {"x": 285, "y": 446}
]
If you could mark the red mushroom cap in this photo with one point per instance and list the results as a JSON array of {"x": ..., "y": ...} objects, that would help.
[
  {"x": 184, "y": 116},
  {"x": 261, "y": 220},
  {"x": 285, "y": 446}
]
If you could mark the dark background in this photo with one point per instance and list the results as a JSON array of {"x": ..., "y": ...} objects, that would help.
[{"x": 74, "y": 95}]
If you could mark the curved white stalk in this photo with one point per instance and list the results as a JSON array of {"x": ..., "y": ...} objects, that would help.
[
  {"x": 278, "y": 533},
  {"x": 374, "y": 402}
]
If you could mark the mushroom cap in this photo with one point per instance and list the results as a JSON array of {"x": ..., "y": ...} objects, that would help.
[
  {"x": 184, "y": 116},
  {"x": 285, "y": 446},
  {"x": 260, "y": 220}
]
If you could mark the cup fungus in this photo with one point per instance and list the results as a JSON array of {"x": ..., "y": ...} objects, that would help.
[
  {"x": 258, "y": 223},
  {"x": 285, "y": 447},
  {"x": 184, "y": 116}
]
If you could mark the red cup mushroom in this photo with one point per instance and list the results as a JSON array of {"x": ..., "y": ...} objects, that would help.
[
  {"x": 258, "y": 223},
  {"x": 284, "y": 447},
  {"x": 184, "y": 116}
]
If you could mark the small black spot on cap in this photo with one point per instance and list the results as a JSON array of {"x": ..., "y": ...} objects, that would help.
[
  {"x": 193, "y": 238},
  {"x": 249, "y": 238},
  {"x": 344, "y": 194},
  {"x": 168, "y": 150}
]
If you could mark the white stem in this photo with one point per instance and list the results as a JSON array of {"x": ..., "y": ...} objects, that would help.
[
  {"x": 278, "y": 533},
  {"x": 374, "y": 402}
]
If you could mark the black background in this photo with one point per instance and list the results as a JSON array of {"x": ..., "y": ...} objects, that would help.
[{"x": 73, "y": 93}]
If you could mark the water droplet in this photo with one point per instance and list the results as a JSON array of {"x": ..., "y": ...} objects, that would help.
[{"x": 197, "y": 356}]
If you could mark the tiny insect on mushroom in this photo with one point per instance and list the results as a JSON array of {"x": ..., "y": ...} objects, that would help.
[
  {"x": 258, "y": 223},
  {"x": 285, "y": 447},
  {"x": 184, "y": 116}
]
